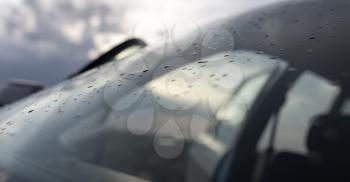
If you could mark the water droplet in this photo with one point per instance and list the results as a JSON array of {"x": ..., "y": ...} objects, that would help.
[
  {"x": 202, "y": 62},
  {"x": 235, "y": 78},
  {"x": 309, "y": 50},
  {"x": 169, "y": 140},
  {"x": 140, "y": 122},
  {"x": 292, "y": 69},
  {"x": 198, "y": 126}
]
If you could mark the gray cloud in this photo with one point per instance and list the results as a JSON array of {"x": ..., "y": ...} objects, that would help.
[{"x": 47, "y": 40}]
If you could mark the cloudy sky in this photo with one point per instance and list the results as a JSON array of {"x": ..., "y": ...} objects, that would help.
[{"x": 47, "y": 40}]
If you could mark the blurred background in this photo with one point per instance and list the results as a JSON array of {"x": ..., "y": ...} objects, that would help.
[{"x": 47, "y": 40}]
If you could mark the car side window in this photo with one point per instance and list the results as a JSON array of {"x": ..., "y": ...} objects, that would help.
[
  {"x": 310, "y": 96},
  {"x": 236, "y": 110},
  {"x": 345, "y": 109}
]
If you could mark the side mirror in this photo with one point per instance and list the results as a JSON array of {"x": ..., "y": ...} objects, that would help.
[{"x": 14, "y": 90}]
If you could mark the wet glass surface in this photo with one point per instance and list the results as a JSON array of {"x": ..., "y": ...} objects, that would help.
[
  {"x": 136, "y": 119},
  {"x": 123, "y": 121}
]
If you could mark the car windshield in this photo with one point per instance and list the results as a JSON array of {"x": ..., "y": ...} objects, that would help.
[{"x": 129, "y": 122}]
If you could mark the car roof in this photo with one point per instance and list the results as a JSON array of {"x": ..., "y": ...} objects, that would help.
[{"x": 308, "y": 34}]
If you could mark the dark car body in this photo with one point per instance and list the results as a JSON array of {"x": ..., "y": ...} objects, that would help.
[
  {"x": 17, "y": 89},
  {"x": 235, "y": 105}
]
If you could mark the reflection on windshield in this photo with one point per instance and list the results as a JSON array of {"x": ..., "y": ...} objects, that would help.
[
  {"x": 234, "y": 113},
  {"x": 310, "y": 96},
  {"x": 125, "y": 123},
  {"x": 346, "y": 108}
]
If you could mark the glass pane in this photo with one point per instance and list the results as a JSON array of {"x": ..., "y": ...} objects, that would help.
[
  {"x": 235, "y": 112},
  {"x": 127, "y": 122},
  {"x": 345, "y": 110},
  {"x": 212, "y": 145},
  {"x": 309, "y": 97}
]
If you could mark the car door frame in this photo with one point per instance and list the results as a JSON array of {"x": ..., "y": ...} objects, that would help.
[{"x": 238, "y": 163}]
